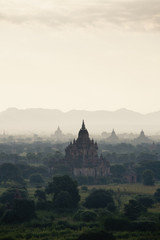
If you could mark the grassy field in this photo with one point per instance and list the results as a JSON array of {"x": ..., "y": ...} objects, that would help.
[
  {"x": 61, "y": 226},
  {"x": 129, "y": 188},
  {"x": 127, "y": 191}
]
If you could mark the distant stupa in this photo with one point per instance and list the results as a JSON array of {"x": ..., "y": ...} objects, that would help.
[
  {"x": 58, "y": 135},
  {"x": 142, "y": 138},
  {"x": 113, "y": 137}
]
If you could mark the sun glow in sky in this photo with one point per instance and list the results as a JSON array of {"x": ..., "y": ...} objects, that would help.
[{"x": 93, "y": 55}]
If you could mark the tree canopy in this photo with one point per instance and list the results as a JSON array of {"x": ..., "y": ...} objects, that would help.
[
  {"x": 99, "y": 199},
  {"x": 134, "y": 209},
  {"x": 157, "y": 195},
  {"x": 13, "y": 193},
  {"x": 148, "y": 178},
  {"x": 10, "y": 172},
  {"x": 64, "y": 183},
  {"x": 36, "y": 179}
]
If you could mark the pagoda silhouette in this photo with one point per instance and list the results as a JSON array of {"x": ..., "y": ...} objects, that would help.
[
  {"x": 81, "y": 156},
  {"x": 142, "y": 138},
  {"x": 113, "y": 137}
]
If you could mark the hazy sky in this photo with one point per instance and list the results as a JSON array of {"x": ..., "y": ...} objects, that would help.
[{"x": 80, "y": 54}]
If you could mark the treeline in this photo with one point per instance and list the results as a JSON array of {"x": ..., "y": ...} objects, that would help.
[
  {"x": 33, "y": 147},
  {"x": 127, "y": 152},
  {"x": 146, "y": 172},
  {"x": 47, "y": 160},
  {"x": 36, "y": 152}
]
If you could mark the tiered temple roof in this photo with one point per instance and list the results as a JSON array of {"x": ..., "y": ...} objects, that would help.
[
  {"x": 82, "y": 156},
  {"x": 83, "y": 151}
]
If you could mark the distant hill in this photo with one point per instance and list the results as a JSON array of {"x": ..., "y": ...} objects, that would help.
[{"x": 15, "y": 120}]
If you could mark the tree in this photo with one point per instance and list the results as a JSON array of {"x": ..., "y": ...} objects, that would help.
[
  {"x": 116, "y": 223},
  {"x": 99, "y": 199},
  {"x": 148, "y": 178},
  {"x": 118, "y": 170},
  {"x": 40, "y": 194},
  {"x": 36, "y": 179},
  {"x": 146, "y": 201},
  {"x": 154, "y": 166},
  {"x": 157, "y": 195},
  {"x": 11, "y": 194},
  {"x": 10, "y": 172},
  {"x": 24, "y": 209},
  {"x": 133, "y": 209},
  {"x": 64, "y": 183},
  {"x": 63, "y": 200},
  {"x": 85, "y": 215}
]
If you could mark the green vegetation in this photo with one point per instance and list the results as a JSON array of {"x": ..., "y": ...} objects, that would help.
[
  {"x": 40, "y": 200},
  {"x": 99, "y": 199},
  {"x": 148, "y": 178},
  {"x": 42, "y": 219},
  {"x": 64, "y": 191}
]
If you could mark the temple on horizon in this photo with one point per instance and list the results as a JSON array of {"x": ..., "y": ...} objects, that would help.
[
  {"x": 142, "y": 138},
  {"x": 113, "y": 137},
  {"x": 82, "y": 156}
]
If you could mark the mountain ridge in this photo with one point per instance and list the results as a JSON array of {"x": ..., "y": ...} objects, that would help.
[{"x": 47, "y": 120}]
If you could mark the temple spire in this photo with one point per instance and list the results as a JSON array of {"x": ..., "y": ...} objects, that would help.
[
  {"x": 142, "y": 133},
  {"x": 83, "y": 125}
]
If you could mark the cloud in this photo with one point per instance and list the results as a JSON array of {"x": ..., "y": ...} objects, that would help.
[{"x": 128, "y": 14}]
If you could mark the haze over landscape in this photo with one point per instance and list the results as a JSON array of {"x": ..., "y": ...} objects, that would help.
[
  {"x": 80, "y": 119},
  {"x": 36, "y": 120},
  {"x": 84, "y": 55}
]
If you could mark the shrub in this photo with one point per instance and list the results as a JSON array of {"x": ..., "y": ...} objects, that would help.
[
  {"x": 88, "y": 216},
  {"x": 8, "y": 217},
  {"x": 157, "y": 195},
  {"x": 103, "y": 213},
  {"x": 11, "y": 194},
  {"x": 10, "y": 172},
  {"x": 116, "y": 224},
  {"x": 146, "y": 201},
  {"x": 111, "y": 207},
  {"x": 40, "y": 194},
  {"x": 44, "y": 205},
  {"x": 2, "y": 209},
  {"x": 96, "y": 235},
  {"x": 133, "y": 209},
  {"x": 36, "y": 179},
  {"x": 85, "y": 216},
  {"x": 99, "y": 199},
  {"x": 7, "y": 238},
  {"x": 144, "y": 226},
  {"x": 148, "y": 178},
  {"x": 24, "y": 209}
]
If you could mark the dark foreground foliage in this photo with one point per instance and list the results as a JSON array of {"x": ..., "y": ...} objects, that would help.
[
  {"x": 99, "y": 199},
  {"x": 101, "y": 214},
  {"x": 64, "y": 186},
  {"x": 22, "y": 210},
  {"x": 96, "y": 235}
]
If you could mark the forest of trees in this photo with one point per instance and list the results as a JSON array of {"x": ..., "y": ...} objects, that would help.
[{"x": 41, "y": 199}]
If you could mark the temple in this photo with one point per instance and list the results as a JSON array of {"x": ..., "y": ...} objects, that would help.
[
  {"x": 82, "y": 156},
  {"x": 113, "y": 138},
  {"x": 142, "y": 138},
  {"x": 58, "y": 136}
]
